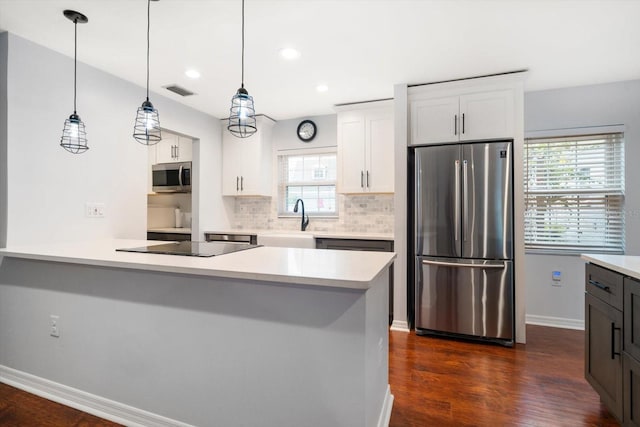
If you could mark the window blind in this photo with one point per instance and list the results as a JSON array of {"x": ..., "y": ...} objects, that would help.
[
  {"x": 574, "y": 193},
  {"x": 310, "y": 177}
]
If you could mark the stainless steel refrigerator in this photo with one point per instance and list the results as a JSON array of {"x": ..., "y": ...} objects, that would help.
[{"x": 463, "y": 223}]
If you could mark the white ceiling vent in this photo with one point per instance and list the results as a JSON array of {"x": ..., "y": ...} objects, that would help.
[{"x": 179, "y": 90}]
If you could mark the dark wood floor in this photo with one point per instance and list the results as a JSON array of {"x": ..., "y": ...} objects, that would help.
[{"x": 436, "y": 382}]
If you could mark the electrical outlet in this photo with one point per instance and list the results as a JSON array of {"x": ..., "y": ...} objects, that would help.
[
  {"x": 94, "y": 210},
  {"x": 54, "y": 330}
]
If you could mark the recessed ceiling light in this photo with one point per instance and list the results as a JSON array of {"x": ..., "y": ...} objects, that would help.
[
  {"x": 192, "y": 74},
  {"x": 289, "y": 53},
  {"x": 322, "y": 88}
]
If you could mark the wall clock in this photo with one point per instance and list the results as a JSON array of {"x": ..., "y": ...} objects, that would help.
[{"x": 307, "y": 130}]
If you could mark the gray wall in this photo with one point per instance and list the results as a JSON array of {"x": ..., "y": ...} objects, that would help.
[
  {"x": 285, "y": 135},
  {"x": 586, "y": 106},
  {"x": 4, "y": 44},
  {"x": 48, "y": 187}
]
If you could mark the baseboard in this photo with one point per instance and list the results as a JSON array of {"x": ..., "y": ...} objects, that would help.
[
  {"x": 387, "y": 405},
  {"x": 83, "y": 401},
  {"x": 400, "y": 325},
  {"x": 555, "y": 322}
]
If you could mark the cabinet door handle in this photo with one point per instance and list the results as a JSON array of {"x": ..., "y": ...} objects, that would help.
[
  {"x": 367, "y": 179},
  {"x": 455, "y": 124},
  {"x": 177, "y": 152},
  {"x": 614, "y": 353},
  {"x": 600, "y": 285},
  {"x": 462, "y": 123},
  {"x": 361, "y": 179},
  {"x": 242, "y": 183},
  {"x": 237, "y": 183}
]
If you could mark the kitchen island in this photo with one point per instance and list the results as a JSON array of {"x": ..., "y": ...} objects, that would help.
[{"x": 261, "y": 337}]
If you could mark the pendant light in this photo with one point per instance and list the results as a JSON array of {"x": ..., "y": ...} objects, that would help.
[
  {"x": 74, "y": 136},
  {"x": 242, "y": 120},
  {"x": 147, "y": 127}
]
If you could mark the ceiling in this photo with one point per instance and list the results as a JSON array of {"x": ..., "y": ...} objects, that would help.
[{"x": 359, "y": 48}]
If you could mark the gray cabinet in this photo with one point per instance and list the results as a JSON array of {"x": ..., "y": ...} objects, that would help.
[
  {"x": 631, "y": 386},
  {"x": 603, "y": 342},
  {"x": 362, "y": 245},
  {"x": 612, "y": 341},
  {"x": 632, "y": 317}
]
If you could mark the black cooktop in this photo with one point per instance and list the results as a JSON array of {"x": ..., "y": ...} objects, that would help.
[{"x": 200, "y": 249}]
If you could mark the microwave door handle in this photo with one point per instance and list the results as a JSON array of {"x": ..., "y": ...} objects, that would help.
[{"x": 180, "y": 176}]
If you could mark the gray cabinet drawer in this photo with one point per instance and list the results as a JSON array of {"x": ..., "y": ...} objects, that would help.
[
  {"x": 354, "y": 244},
  {"x": 605, "y": 285}
]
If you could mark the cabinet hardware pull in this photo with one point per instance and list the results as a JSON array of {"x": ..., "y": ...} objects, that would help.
[
  {"x": 600, "y": 285},
  {"x": 237, "y": 183},
  {"x": 455, "y": 124},
  {"x": 177, "y": 152},
  {"x": 242, "y": 183},
  {"x": 463, "y": 123},
  {"x": 614, "y": 353},
  {"x": 361, "y": 179},
  {"x": 367, "y": 179}
]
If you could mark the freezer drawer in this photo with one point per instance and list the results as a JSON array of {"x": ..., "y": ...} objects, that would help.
[{"x": 466, "y": 297}]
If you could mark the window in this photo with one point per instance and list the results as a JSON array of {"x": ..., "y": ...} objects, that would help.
[
  {"x": 310, "y": 176},
  {"x": 574, "y": 193}
]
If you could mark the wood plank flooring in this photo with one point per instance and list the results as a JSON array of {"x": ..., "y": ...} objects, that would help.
[
  {"x": 438, "y": 382},
  {"x": 435, "y": 382}
]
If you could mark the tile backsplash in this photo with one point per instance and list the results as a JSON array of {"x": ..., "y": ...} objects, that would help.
[{"x": 356, "y": 213}]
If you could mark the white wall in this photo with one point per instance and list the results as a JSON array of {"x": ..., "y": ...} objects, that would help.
[
  {"x": 285, "y": 136},
  {"x": 585, "y": 106},
  {"x": 48, "y": 187}
]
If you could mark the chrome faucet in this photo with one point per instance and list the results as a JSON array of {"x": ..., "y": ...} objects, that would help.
[{"x": 305, "y": 221}]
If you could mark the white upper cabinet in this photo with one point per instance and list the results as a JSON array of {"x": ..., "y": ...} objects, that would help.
[
  {"x": 365, "y": 148},
  {"x": 464, "y": 117},
  {"x": 173, "y": 148},
  {"x": 247, "y": 162}
]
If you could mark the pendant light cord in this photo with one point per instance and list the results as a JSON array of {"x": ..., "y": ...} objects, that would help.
[
  {"x": 242, "y": 43},
  {"x": 75, "y": 61},
  {"x": 148, "y": 26}
]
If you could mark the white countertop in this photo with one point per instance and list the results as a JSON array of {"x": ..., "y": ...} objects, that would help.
[
  {"x": 344, "y": 269},
  {"x": 315, "y": 234},
  {"x": 625, "y": 264},
  {"x": 183, "y": 230}
]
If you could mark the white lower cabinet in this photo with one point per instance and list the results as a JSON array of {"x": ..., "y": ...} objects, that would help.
[
  {"x": 365, "y": 148},
  {"x": 247, "y": 162}
]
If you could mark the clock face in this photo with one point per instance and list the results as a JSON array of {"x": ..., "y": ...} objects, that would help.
[{"x": 306, "y": 130}]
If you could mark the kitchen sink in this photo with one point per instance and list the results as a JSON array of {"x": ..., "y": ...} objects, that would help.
[{"x": 287, "y": 239}]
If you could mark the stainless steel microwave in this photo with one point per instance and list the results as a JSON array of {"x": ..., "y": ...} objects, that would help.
[{"x": 171, "y": 177}]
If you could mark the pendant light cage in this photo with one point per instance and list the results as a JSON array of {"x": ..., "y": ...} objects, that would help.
[
  {"x": 146, "y": 129},
  {"x": 242, "y": 117},
  {"x": 242, "y": 120},
  {"x": 74, "y": 135}
]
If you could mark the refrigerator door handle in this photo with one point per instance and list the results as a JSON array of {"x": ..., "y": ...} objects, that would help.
[
  {"x": 456, "y": 213},
  {"x": 465, "y": 206},
  {"x": 457, "y": 264}
]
